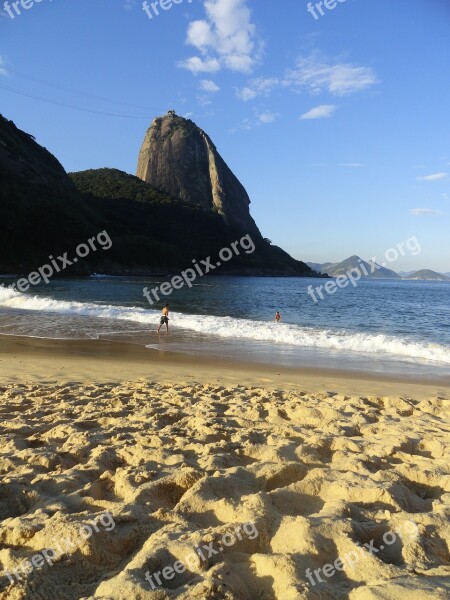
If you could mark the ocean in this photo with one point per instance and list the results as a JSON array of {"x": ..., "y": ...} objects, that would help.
[{"x": 398, "y": 328}]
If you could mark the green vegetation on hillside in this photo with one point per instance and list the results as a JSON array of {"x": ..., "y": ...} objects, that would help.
[
  {"x": 112, "y": 183},
  {"x": 136, "y": 213},
  {"x": 41, "y": 210},
  {"x": 45, "y": 212}
]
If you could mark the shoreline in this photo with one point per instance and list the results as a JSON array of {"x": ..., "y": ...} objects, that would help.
[
  {"x": 44, "y": 360},
  {"x": 175, "y": 271}
]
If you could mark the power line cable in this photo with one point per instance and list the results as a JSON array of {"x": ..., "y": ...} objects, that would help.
[
  {"x": 72, "y": 106},
  {"x": 71, "y": 90}
]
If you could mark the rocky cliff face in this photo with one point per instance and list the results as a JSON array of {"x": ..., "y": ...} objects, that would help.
[
  {"x": 45, "y": 212},
  {"x": 41, "y": 212},
  {"x": 178, "y": 158},
  {"x": 22, "y": 159}
]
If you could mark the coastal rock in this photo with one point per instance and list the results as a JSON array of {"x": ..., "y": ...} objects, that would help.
[
  {"x": 179, "y": 158},
  {"x": 47, "y": 212}
]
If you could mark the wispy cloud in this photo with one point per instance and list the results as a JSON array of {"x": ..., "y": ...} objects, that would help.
[
  {"x": 226, "y": 38},
  {"x": 425, "y": 212},
  {"x": 317, "y": 75},
  {"x": 206, "y": 85},
  {"x": 244, "y": 125},
  {"x": 196, "y": 65},
  {"x": 204, "y": 100},
  {"x": 129, "y": 4},
  {"x": 314, "y": 75},
  {"x": 3, "y": 69},
  {"x": 259, "y": 119},
  {"x": 432, "y": 177},
  {"x": 261, "y": 86},
  {"x": 267, "y": 117},
  {"x": 324, "y": 111}
]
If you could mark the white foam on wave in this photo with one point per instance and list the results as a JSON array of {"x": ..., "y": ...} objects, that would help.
[
  {"x": 309, "y": 337},
  {"x": 242, "y": 329},
  {"x": 11, "y": 299}
]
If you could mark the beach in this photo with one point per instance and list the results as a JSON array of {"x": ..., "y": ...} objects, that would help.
[
  {"x": 207, "y": 478},
  {"x": 224, "y": 301}
]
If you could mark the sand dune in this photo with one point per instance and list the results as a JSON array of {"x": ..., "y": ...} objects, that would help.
[{"x": 178, "y": 467}]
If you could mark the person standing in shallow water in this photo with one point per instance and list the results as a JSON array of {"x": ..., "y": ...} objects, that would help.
[
  {"x": 164, "y": 318},
  {"x": 277, "y": 317}
]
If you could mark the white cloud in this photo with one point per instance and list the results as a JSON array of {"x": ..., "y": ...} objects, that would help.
[
  {"x": 314, "y": 75},
  {"x": 3, "y": 69},
  {"x": 445, "y": 196},
  {"x": 425, "y": 212},
  {"x": 318, "y": 76},
  {"x": 246, "y": 94},
  {"x": 262, "y": 86},
  {"x": 129, "y": 4},
  {"x": 204, "y": 100},
  {"x": 324, "y": 111},
  {"x": 244, "y": 125},
  {"x": 267, "y": 117},
  {"x": 198, "y": 65},
  {"x": 239, "y": 62},
  {"x": 226, "y": 38},
  {"x": 200, "y": 35},
  {"x": 432, "y": 177},
  {"x": 207, "y": 85},
  {"x": 260, "y": 119}
]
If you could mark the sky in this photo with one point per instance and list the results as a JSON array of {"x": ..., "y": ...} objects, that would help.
[{"x": 337, "y": 124}]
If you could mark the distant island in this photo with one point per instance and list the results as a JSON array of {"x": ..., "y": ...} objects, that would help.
[
  {"x": 427, "y": 275},
  {"x": 373, "y": 270},
  {"x": 370, "y": 270},
  {"x": 184, "y": 204}
]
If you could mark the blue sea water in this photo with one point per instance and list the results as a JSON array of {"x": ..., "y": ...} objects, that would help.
[{"x": 390, "y": 326}]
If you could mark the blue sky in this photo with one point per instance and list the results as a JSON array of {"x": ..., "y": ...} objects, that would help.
[{"x": 338, "y": 126}]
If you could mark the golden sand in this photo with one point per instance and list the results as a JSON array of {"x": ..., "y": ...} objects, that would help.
[{"x": 180, "y": 460}]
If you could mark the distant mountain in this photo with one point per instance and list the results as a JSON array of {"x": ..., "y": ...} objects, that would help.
[
  {"x": 428, "y": 275},
  {"x": 319, "y": 267},
  {"x": 366, "y": 268},
  {"x": 404, "y": 274}
]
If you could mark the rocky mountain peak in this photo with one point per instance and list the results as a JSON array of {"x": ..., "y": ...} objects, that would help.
[{"x": 180, "y": 159}]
